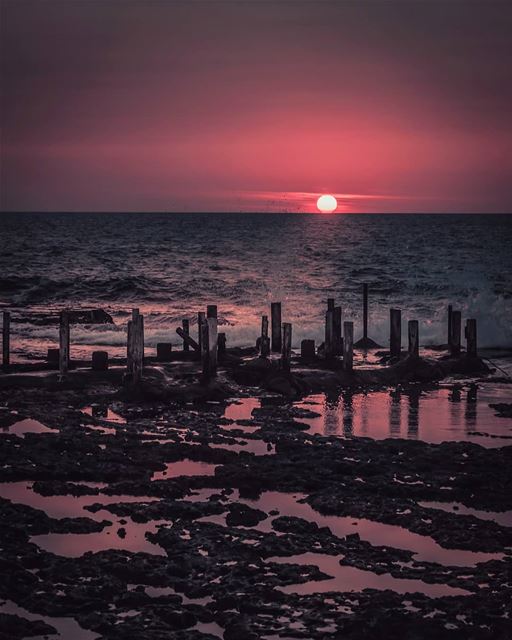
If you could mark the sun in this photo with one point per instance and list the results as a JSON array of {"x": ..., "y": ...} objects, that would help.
[{"x": 327, "y": 203}]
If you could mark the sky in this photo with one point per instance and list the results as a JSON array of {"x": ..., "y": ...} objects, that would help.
[{"x": 246, "y": 105}]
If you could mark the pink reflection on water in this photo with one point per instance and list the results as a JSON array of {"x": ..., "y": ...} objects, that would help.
[
  {"x": 434, "y": 416},
  {"x": 504, "y": 518},
  {"x": 242, "y": 409},
  {"x": 346, "y": 578},
  {"x": 27, "y": 425},
  {"x": 66, "y": 627},
  {"x": 67, "y": 506},
  {"x": 185, "y": 468},
  {"x": 425, "y": 548}
]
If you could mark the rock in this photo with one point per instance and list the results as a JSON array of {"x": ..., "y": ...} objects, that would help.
[{"x": 242, "y": 515}]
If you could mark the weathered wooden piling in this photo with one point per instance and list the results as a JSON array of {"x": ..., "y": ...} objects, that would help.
[
  {"x": 286, "y": 353},
  {"x": 450, "y": 311},
  {"x": 99, "y": 361},
  {"x": 52, "y": 357},
  {"x": 395, "y": 333},
  {"x": 221, "y": 344},
  {"x": 365, "y": 311},
  {"x": 6, "y": 337},
  {"x": 186, "y": 331},
  {"x": 64, "y": 343},
  {"x": 307, "y": 349},
  {"x": 205, "y": 348},
  {"x": 211, "y": 319},
  {"x": 330, "y": 304},
  {"x": 471, "y": 344},
  {"x": 201, "y": 318},
  {"x": 137, "y": 346},
  {"x": 414, "y": 338},
  {"x": 187, "y": 339},
  {"x": 337, "y": 328},
  {"x": 455, "y": 333},
  {"x": 164, "y": 351},
  {"x": 329, "y": 332},
  {"x": 275, "y": 319},
  {"x": 348, "y": 346},
  {"x": 264, "y": 339}
]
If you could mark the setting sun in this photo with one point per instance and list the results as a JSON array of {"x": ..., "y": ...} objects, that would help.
[{"x": 327, "y": 204}]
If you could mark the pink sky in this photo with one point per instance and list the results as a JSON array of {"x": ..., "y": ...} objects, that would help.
[{"x": 256, "y": 106}]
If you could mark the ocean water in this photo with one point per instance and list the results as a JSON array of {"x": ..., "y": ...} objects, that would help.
[{"x": 173, "y": 265}]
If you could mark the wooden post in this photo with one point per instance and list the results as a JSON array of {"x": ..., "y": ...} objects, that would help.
[
  {"x": 275, "y": 319},
  {"x": 395, "y": 334},
  {"x": 211, "y": 318},
  {"x": 164, "y": 351},
  {"x": 129, "y": 347},
  {"x": 307, "y": 349},
  {"x": 329, "y": 334},
  {"x": 186, "y": 330},
  {"x": 338, "y": 342},
  {"x": 456, "y": 330},
  {"x": 286, "y": 354},
  {"x": 188, "y": 340},
  {"x": 201, "y": 318},
  {"x": 414, "y": 338},
  {"x": 264, "y": 340},
  {"x": 6, "y": 331},
  {"x": 64, "y": 343},
  {"x": 99, "y": 361},
  {"x": 330, "y": 304},
  {"x": 205, "y": 349},
  {"x": 137, "y": 347},
  {"x": 471, "y": 347},
  {"x": 348, "y": 346},
  {"x": 221, "y": 344},
  {"x": 365, "y": 310},
  {"x": 450, "y": 311}
]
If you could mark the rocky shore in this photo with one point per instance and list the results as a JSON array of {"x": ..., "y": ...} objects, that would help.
[{"x": 180, "y": 510}]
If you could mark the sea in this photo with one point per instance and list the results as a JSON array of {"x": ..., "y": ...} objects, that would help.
[{"x": 171, "y": 265}]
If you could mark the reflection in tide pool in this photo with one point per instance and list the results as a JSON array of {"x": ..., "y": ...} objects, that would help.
[
  {"x": 434, "y": 416},
  {"x": 345, "y": 578},
  {"x": 66, "y": 627}
]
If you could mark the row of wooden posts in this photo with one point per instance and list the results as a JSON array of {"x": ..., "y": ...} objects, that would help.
[{"x": 339, "y": 339}]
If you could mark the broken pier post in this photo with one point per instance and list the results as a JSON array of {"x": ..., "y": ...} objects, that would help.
[
  {"x": 205, "y": 349},
  {"x": 286, "y": 353},
  {"x": 99, "y": 361},
  {"x": 395, "y": 334},
  {"x": 212, "y": 321},
  {"x": 275, "y": 319},
  {"x": 188, "y": 340},
  {"x": 455, "y": 333},
  {"x": 221, "y": 345},
  {"x": 338, "y": 340},
  {"x": 365, "y": 311},
  {"x": 471, "y": 345},
  {"x": 164, "y": 351},
  {"x": 63, "y": 343},
  {"x": 6, "y": 337},
  {"x": 201, "y": 318},
  {"x": 348, "y": 346},
  {"x": 365, "y": 342},
  {"x": 307, "y": 349},
  {"x": 137, "y": 347},
  {"x": 414, "y": 338},
  {"x": 264, "y": 339},
  {"x": 329, "y": 342},
  {"x": 450, "y": 311},
  {"x": 186, "y": 331}
]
